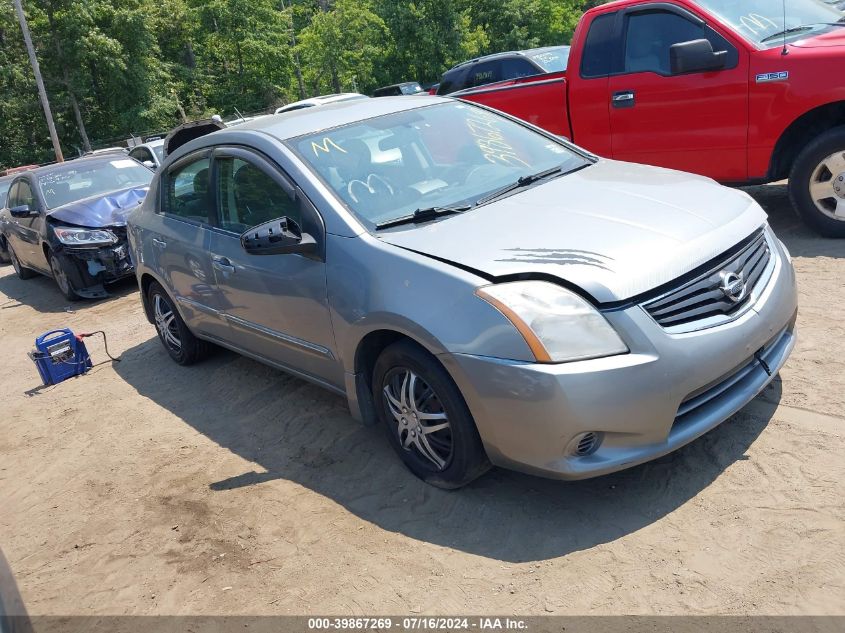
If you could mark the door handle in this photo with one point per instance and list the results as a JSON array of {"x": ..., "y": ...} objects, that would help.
[
  {"x": 223, "y": 265},
  {"x": 623, "y": 99},
  {"x": 159, "y": 243}
]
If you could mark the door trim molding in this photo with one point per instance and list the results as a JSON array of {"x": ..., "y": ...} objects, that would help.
[{"x": 281, "y": 336}]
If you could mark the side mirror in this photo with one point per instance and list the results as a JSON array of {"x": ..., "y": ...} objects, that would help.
[
  {"x": 281, "y": 236},
  {"x": 149, "y": 164},
  {"x": 695, "y": 56},
  {"x": 21, "y": 211}
]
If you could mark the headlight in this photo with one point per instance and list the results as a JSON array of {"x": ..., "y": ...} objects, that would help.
[
  {"x": 557, "y": 324},
  {"x": 85, "y": 237}
]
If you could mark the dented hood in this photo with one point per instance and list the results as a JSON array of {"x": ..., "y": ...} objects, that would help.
[
  {"x": 614, "y": 229},
  {"x": 100, "y": 211}
]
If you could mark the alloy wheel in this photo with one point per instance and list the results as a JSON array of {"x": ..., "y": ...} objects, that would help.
[
  {"x": 422, "y": 423},
  {"x": 165, "y": 320},
  {"x": 827, "y": 186}
]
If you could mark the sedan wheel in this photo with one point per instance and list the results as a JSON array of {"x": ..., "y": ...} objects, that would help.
[
  {"x": 425, "y": 417},
  {"x": 165, "y": 320},
  {"x": 421, "y": 421},
  {"x": 61, "y": 278},
  {"x": 22, "y": 273},
  {"x": 178, "y": 340}
]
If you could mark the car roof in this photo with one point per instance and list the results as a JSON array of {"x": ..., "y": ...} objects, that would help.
[
  {"x": 288, "y": 125},
  {"x": 523, "y": 53},
  {"x": 324, "y": 99}
]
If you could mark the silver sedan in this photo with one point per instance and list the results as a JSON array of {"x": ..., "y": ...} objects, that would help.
[{"x": 488, "y": 293}]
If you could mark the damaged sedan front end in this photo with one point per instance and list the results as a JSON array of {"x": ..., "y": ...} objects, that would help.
[{"x": 68, "y": 221}]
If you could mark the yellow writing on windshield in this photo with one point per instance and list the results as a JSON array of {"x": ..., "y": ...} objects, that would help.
[
  {"x": 326, "y": 147},
  {"x": 491, "y": 141}
]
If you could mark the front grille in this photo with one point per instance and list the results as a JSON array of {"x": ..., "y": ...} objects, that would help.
[{"x": 705, "y": 296}]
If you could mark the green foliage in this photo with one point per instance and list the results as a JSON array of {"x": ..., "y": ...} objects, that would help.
[{"x": 121, "y": 67}]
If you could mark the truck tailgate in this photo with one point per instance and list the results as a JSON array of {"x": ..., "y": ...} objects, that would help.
[{"x": 539, "y": 100}]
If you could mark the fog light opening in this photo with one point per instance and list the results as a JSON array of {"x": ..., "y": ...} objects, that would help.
[{"x": 585, "y": 444}]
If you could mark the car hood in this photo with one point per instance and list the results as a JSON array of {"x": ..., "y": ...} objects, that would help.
[
  {"x": 615, "y": 230},
  {"x": 111, "y": 209},
  {"x": 825, "y": 40}
]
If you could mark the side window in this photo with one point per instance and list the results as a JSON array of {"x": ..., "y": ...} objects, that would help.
[
  {"x": 597, "y": 60},
  {"x": 187, "y": 191},
  {"x": 12, "y": 200},
  {"x": 248, "y": 196},
  {"x": 24, "y": 195},
  {"x": 485, "y": 73},
  {"x": 514, "y": 67},
  {"x": 650, "y": 35},
  {"x": 141, "y": 154}
]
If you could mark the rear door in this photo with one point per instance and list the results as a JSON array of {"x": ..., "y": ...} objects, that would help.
[
  {"x": 176, "y": 241},
  {"x": 277, "y": 305},
  {"x": 696, "y": 122}
]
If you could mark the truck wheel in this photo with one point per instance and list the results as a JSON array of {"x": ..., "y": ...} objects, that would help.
[
  {"x": 180, "y": 343},
  {"x": 60, "y": 276},
  {"x": 817, "y": 184},
  {"x": 426, "y": 419},
  {"x": 22, "y": 273}
]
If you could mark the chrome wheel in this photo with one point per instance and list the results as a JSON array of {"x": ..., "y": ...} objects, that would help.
[
  {"x": 59, "y": 275},
  {"x": 165, "y": 320},
  {"x": 421, "y": 421},
  {"x": 827, "y": 186}
]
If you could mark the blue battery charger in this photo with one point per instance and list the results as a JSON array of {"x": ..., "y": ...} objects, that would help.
[{"x": 60, "y": 355}]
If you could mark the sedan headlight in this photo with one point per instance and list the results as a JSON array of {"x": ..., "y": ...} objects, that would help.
[
  {"x": 557, "y": 324},
  {"x": 84, "y": 237}
]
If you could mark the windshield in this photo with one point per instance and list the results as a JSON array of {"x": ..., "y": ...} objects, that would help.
[
  {"x": 552, "y": 60},
  {"x": 438, "y": 156},
  {"x": 758, "y": 20},
  {"x": 74, "y": 181}
]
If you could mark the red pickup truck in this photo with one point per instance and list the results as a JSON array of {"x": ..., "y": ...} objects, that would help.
[{"x": 730, "y": 89}]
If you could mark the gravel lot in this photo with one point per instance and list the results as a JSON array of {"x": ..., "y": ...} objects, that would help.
[{"x": 231, "y": 488}]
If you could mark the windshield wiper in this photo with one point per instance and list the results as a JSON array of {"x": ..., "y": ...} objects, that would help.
[
  {"x": 524, "y": 181},
  {"x": 423, "y": 215},
  {"x": 789, "y": 31}
]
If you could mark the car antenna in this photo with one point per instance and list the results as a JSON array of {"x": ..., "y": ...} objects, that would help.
[
  {"x": 785, "y": 50},
  {"x": 238, "y": 112}
]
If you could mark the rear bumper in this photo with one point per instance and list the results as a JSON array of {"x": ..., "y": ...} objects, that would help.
[{"x": 669, "y": 390}]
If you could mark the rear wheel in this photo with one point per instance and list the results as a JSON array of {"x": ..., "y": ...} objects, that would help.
[
  {"x": 426, "y": 419},
  {"x": 817, "y": 184},
  {"x": 22, "y": 273},
  {"x": 60, "y": 276},
  {"x": 180, "y": 343}
]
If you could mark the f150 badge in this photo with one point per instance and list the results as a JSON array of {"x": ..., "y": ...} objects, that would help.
[{"x": 765, "y": 77}]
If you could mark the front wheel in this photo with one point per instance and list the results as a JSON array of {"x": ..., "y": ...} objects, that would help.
[
  {"x": 426, "y": 419},
  {"x": 60, "y": 276},
  {"x": 817, "y": 184},
  {"x": 178, "y": 340},
  {"x": 4, "y": 251}
]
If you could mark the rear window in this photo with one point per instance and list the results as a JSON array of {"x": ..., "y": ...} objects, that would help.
[
  {"x": 554, "y": 60},
  {"x": 598, "y": 49}
]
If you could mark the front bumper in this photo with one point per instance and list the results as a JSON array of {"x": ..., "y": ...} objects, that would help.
[
  {"x": 669, "y": 390},
  {"x": 89, "y": 269}
]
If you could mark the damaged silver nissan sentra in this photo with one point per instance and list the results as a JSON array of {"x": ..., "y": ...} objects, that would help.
[
  {"x": 68, "y": 221},
  {"x": 487, "y": 292}
]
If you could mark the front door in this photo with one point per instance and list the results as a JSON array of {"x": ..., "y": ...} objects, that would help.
[
  {"x": 696, "y": 122},
  {"x": 277, "y": 304},
  {"x": 24, "y": 233}
]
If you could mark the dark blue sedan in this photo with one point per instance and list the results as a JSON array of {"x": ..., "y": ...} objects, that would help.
[{"x": 68, "y": 221}]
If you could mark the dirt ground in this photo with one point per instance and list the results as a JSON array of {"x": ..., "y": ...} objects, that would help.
[{"x": 231, "y": 488}]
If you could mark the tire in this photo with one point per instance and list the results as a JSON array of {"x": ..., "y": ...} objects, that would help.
[
  {"x": 449, "y": 457},
  {"x": 60, "y": 276},
  {"x": 180, "y": 343},
  {"x": 4, "y": 251},
  {"x": 21, "y": 271},
  {"x": 818, "y": 171}
]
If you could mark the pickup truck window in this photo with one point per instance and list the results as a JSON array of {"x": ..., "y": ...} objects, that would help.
[
  {"x": 649, "y": 36},
  {"x": 598, "y": 48},
  {"x": 761, "y": 21}
]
